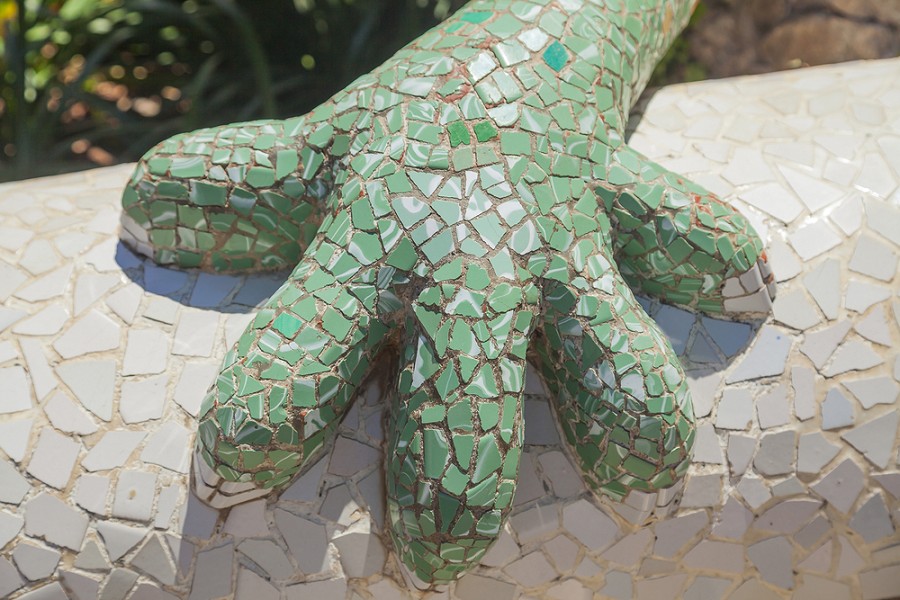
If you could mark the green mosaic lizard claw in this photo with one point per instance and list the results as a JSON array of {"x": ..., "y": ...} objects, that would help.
[{"x": 468, "y": 205}]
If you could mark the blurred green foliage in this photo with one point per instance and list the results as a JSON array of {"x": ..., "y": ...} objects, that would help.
[
  {"x": 92, "y": 82},
  {"x": 87, "y": 82}
]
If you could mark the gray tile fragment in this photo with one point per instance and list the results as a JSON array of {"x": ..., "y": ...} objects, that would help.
[
  {"x": 707, "y": 588},
  {"x": 213, "y": 573},
  {"x": 361, "y": 553},
  {"x": 119, "y": 538},
  {"x": 872, "y": 520},
  {"x": 842, "y": 486},
  {"x": 306, "y": 540},
  {"x": 874, "y": 327},
  {"x": 814, "y": 453},
  {"x": 837, "y": 411},
  {"x": 80, "y": 585},
  {"x": 803, "y": 382},
  {"x": 13, "y": 487},
  {"x": 10, "y": 580},
  {"x": 35, "y": 561},
  {"x": 776, "y": 453},
  {"x": 824, "y": 284},
  {"x": 767, "y": 357},
  {"x": 478, "y": 587},
  {"x": 118, "y": 584},
  {"x": 873, "y": 390},
  {"x": 879, "y": 583},
  {"x": 251, "y": 585},
  {"x": 732, "y": 521},
  {"x": 787, "y": 516},
  {"x": 153, "y": 559},
  {"x": 724, "y": 557},
  {"x": 875, "y": 438},
  {"x": 853, "y": 355},
  {"x": 772, "y": 407},
  {"x": 674, "y": 534},
  {"x": 773, "y": 559},
  {"x": 588, "y": 524},
  {"x": 91, "y": 558},
  {"x": 269, "y": 556},
  {"x": 820, "y": 345},
  {"x": 52, "y": 591}
]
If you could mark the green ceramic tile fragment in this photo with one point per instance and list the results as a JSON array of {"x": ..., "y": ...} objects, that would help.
[{"x": 484, "y": 131}]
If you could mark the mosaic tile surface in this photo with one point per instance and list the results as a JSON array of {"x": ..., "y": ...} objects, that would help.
[
  {"x": 795, "y": 486},
  {"x": 467, "y": 204}
]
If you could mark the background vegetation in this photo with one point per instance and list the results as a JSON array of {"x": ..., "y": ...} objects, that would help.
[{"x": 93, "y": 82}]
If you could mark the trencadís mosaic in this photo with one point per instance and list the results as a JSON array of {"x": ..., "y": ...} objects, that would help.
[{"x": 465, "y": 207}]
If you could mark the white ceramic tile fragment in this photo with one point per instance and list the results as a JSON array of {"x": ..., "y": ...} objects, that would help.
[
  {"x": 564, "y": 480},
  {"x": 14, "y": 437},
  {"x": 91, "y": 287},
  {"x": 46, "y": 322},
  {"x": 853, "y": 355},
  {"x": 67, "y": 416},
  {"x": 92, "y": 382},
  {"x": 146, "y": 352},
  {"x": 17, "y": 392},
  {"x": 873, "y": 390},
  {"x": 112, "y": 450},
  {"x": 351, "y": 457},
  {"x": 707, "y": 446},
  {"x": 824, "y": 285},
  {"x": 91, "y": 492},
  {"x": 142, "y": 399},
  {"x": 735, "y": 409},
  {"x": 53, "y": 458},
  {"x": 269, "y": 556},
  {"x": 195, "y": 379},
  {"x": 562, "y": 552},
  {"x": 788, "y": 516},
  {"x": 196, "y": 333},
  {"x": 874, "y": 327},
  {"x": 134, "y": 495},
  {"x": 724, "y": 557},
  {"x": 860, "y": 295},
  {"x": 48, "y": 517},
  {"x": 39, "y": 370},
  {"x": 874, "y": 258},
  {"x": 10, "y": 526},
  {"x": 169, "y": 447},
  {"x": 820, "y": 345},
  {"x": 814, "y": 239},
  {"x": 532, "y": 570},
  {"x": 125, "y": 302}
]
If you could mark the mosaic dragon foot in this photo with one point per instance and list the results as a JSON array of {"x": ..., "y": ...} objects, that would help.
[{"x": 467, "y": 205}]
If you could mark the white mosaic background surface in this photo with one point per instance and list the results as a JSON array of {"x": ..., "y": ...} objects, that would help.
[{"x": 104, "y": 359}]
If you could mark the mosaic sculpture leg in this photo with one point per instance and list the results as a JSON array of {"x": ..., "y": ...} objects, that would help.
[{"x": 468, "y": 202}]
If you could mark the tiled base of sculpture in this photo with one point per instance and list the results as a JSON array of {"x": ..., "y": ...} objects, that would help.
[{"x": 794, "y": 490}]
